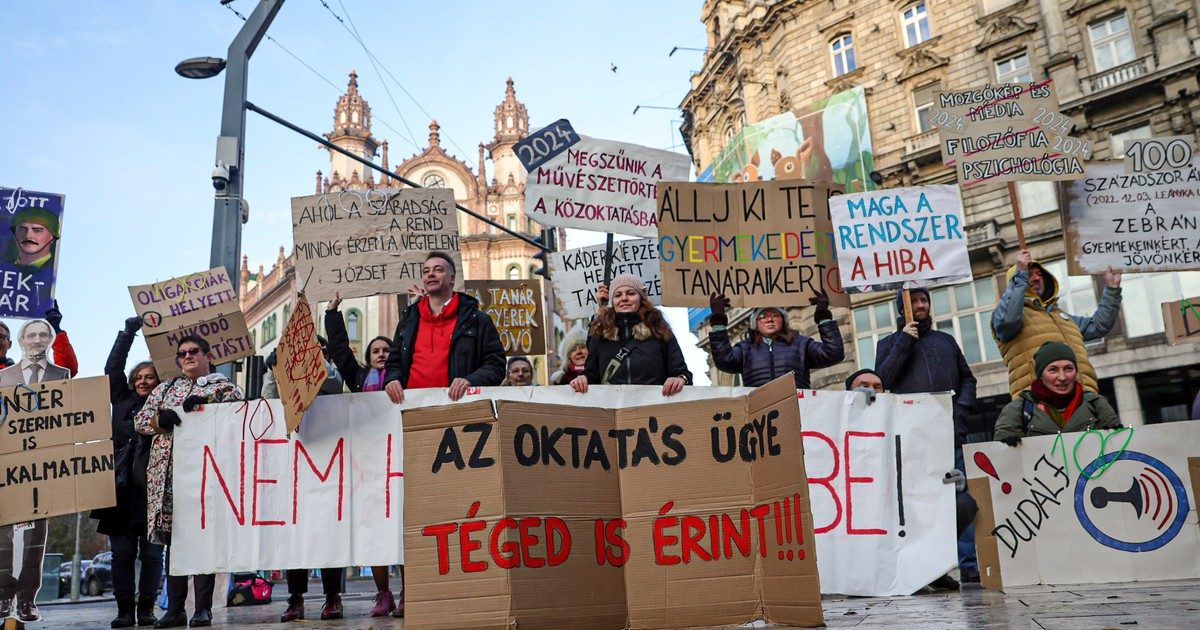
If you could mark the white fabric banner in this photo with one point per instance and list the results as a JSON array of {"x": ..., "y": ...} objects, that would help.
[
  {"x": 1125, "y": 500},
  {"x": 603, "y": 186},
  {"x": 247, "y": 497}
]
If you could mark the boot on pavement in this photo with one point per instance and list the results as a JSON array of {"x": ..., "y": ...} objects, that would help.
[
  {"x": 384, "y": 604},
  {"x": 295, "y": 609},
  {"x": 124, "y": 613},
  {"x": 145, "y": 610},
  {"x": 173, "y": 618},
  {"x": 399, "y": 612},
  {"x": 332, "y": 608}
]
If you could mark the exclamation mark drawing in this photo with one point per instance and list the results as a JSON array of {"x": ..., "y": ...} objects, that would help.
[
  {"x": 799, "y": 525},
  {"x": 35, "y": 500},
  {"x": 985, "y": 464},
  {"x": 900, "y": 485},
  {"x": 787, "y": 526},
  {"x": 779, "y": 528}
]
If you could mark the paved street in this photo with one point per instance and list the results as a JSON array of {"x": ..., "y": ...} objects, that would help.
[{"x": 1143, "y": 605}]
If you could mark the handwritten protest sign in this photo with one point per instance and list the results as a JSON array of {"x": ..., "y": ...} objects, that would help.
[
  {"x": 764, "y": 243},
  {"x": 1125, "y": 500},
  {"x": 603, "y": 186},
  {"x": 56, "y": 452},
  {"x": 1135, "y": 222},
  {"x": 515, "y": 307},
  {"x": 201, "y": 304},
  {"x": 890, "y": 239},
  {"x": 577, "y": 272},
  {"x": 31, "y": 228},
  {"x": 300, "y": 364},
  {"x": 1182, "y": 320},
  {"x": 874, "y": 471},
  {"x": 367, "y": 242},
  {"x": 1155, "y": 154}
]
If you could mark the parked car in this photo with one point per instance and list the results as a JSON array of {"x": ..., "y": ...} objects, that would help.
[
  {"x": 97, "y": 577},
  {"x": 64, "y": 577}
]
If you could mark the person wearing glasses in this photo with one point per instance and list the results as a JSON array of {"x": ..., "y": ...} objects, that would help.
[
  {"x": 772, "y": 349},
  {"x": 158, "y": 417},
  {"x": 35, "y": 336}
]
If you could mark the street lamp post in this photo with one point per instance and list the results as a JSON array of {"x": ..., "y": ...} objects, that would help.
[{"x": 228, "y": 174}]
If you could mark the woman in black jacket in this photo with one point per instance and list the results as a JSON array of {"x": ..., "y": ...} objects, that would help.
[
  {"x": 364, "y": 378},
  {"x": 631, "y": 343},
  {"x": 125, "y": 523}
]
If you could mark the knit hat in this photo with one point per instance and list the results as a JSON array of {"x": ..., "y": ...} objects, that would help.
[
  {"x": 912, "y": 292},
  {"x": 850, "y": 379},
  {"x": 1050, "y": 352},
  {"x": 626, "y": 280},
  {"x": 40, "y": 216}
]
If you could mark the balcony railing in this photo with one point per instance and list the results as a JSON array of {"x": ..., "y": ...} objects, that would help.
[
  {"x": 921, "y": 142},
  {"x": 1119, "y": 75}
]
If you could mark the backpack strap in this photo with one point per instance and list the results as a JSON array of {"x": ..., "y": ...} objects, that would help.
[
  {"x": 615, "y": 363},
  {"x": 1026, "y": 414}
]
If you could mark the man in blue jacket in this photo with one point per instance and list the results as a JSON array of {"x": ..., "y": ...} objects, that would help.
[{"x": 918, "y": 359}]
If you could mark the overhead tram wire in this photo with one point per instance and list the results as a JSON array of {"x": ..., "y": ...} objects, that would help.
[
  {"x": 353, "y": 30},
  {"x": 326, "y": 80}
]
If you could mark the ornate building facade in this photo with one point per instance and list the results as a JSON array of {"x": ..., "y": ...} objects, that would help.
[
  {"x": 487, "y": 253},
  {"x": 1122, "y": 69}
]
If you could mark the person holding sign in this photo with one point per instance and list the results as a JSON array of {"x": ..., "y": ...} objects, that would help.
[
  {"x": 573, "y": 352},
  {"x": 1056, "y": 402},
  {"x": 125, "y": 523},
  {"x": 443, "y": 340},
  {"x": 773, "y": 348},
  {"x": 1028, "y": 316},
  {"x": 158, "y": 417},
  {"x": 631, "y": 343}
]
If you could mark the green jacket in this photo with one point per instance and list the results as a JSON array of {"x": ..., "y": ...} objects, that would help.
[{"x": 1094, "y": 412}]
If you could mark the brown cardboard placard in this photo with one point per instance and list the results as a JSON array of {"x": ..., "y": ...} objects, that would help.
[
  {"x": 1182, "y": 320},
  {"x": 53, "y": 413},
  {"x": 985, "y": 542},
  {"x": 366, "y": 242},
  {"x": 764, "y": 243},
  {"x": 300, "y": 365},
  {"x": 227, "y": 336},
  {"x": 57, "y": 480},
  {"x": 183, "y": 301},
  {"x": 516, "y": 308}
]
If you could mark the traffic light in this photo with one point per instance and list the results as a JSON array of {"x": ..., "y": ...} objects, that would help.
[{"x": 546, "y": 241}]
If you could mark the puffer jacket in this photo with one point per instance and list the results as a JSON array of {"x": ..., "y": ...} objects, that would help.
[
  {"x": 1095, "y": 412},
  {"x": 476, "y": 352},
  {"x": 761, "y": 363},
  {"x": 651, "y": 360},
  {"x": 1022, "y": 322}
]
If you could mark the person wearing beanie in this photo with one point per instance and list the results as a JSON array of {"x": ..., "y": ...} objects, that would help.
[
  {"x": 772, "y": 349},
  {"x": 1028, "y": 314},
  {"x": 631, "y": 343},
  {"x": 1056, "y": 402},
  {"x": 34, "y": 231},
  {"x": 864, "y": 380},
  {"x": 572, "y": 352},
  {"x": 918, "y": 359}
]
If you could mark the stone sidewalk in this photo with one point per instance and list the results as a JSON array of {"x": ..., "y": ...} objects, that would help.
[{"x": 1142, "y": 605}]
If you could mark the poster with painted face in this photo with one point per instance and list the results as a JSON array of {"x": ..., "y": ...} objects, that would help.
[{"x": 30, "y": 227}]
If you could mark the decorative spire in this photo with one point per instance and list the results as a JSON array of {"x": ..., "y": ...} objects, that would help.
[
  {"x": 482, "y": 169},
  {"x": 352, "y": 115},
  {"x": 512, "y": 121},
  {"x": 352, "y": 86},
  {"x": 384, "y": 180},
  {"x": 319, "y": 191},
  {"x": 435, "y": 138}
]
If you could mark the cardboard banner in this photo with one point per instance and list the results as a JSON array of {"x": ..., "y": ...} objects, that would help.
[
  {"x": 1134, "y": 222},
  {"x": 516, "y": 308},
  {"x": 900, "y": 238},
  {"x": 603, "y": 186},
  {"x": 1125, "y": 500},
  {"x": 56, "y": 453},
  {"x": 1007, "y": 101},
  {"x": 862, "y": 500},
  {"x": 300, "y": 364},
  {"x": 759, "y": 243},
  {"x": 577, "y": 272},
  {"x": 31, "y": 228},
  {"x": 609, "y": 532},
  {"x": 1182, "y": 321},
  {"x": 202, "y": 304},
  {"x": 367, "y": 242}
]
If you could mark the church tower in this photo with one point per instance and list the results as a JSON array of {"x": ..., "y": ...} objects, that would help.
[
  {"x": 352, "y": 132},
  {"x": 512, "y": 124}
]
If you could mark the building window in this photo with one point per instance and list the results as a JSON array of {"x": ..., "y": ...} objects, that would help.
[
  {"x": 1014, "y": 69},
  {"x": 922, "y": 101},
  {"x": 915, "y": 22},
  {"x": 1112, "y": 44},
  {"x": 965, "y": 311},
  {"x": 287, "y": 313},
  {"x": 1037, "y": 198},
  {"x": 254, "y": 339},
  {"x": 512, "y": 222},
  {"x": 354, "y": 325},
  {"x": 1142, "y": 295},
  {"x": 842, "y": 50},
  {"x": 268, "y": 328},
  {"x": 513, "y": 272},
  {"x": 872, "y": 323},
  {"x": 729, "y": 133},
  {"x": 1118, "y": 140}
]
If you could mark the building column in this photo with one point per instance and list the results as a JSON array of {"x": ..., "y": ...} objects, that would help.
[{"x": 1129, "y": 406}]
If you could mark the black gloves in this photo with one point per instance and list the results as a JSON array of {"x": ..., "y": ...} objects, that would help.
[
  {"x": 132, "y": 325},
  {"x": 168, "y": 420},
  {"x": 1012, "y": 440},
  {"x": 192, "y": 402},
  {"x": 718, "y": 303},
  {"x": 821, "y": 301},
  {"x": 54, "y": 316}
]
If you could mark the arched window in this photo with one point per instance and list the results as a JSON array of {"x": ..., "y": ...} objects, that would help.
[
  {"x": 513, "y": 272},
  {"x": 287, "y": 313},
  {"x": 354, "y": 324},
  {"x": 914, "y": 20},
  {"x": 354, "y": 116},
  {"x": 512, "y": 222},
  {"x": 841, "y": 49}
]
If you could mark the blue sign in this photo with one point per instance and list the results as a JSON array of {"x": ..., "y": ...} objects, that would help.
[
  {"x": 540, "y": 146},
  {"x": 30, "y": 228}
]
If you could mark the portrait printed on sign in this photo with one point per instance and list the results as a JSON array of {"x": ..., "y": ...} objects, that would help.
[
  {"x": 22, "y": 545},
  {"x": 31, "y": 227}
]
